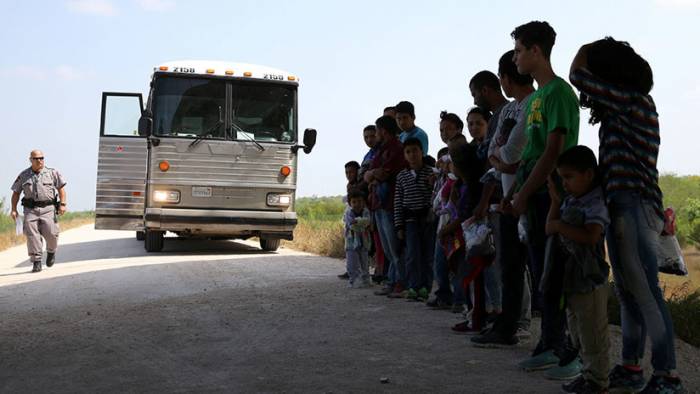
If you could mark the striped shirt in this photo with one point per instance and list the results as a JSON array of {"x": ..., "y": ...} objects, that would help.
[
  {"x": 629, "y": 138},
  {"x": 412, "y": 196}
]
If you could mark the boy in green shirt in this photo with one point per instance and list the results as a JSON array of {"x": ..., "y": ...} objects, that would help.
[{"x": 551, "y": 127}]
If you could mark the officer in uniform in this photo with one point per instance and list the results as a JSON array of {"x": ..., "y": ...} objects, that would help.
[{"x": 44, "y": 199}]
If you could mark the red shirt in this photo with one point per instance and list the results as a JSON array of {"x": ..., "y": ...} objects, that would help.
[{"x": 390, "y": 158}]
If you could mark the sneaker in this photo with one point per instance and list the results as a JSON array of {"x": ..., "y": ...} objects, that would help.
[
  {"x": 492, "y": 340},
  {"x": 664, "y": 384},
  {"x": 36, "y": 267},
  {"x": 439, "y": 303},
  {"x": 423, "y": 294},
  {"x": 344, "y": 276},
  {"x": 544, "y": 360},
  {"x": 623, "y": 380},
  {"x": 384, "y": 291},
  {"x": 412, "y": 295},
  {"x": 464, "y": 328},
  {"x": 569, "y": 371},
  {"x": 523, "y": 334},
  {"x": 50, "y": 259},
  {"x": 582, "y": 386}
]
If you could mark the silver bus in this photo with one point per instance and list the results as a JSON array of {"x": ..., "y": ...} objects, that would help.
[{"x": 212, "y": 154}]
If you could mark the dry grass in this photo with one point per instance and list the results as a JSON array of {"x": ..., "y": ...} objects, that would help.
[
  {"x": 324, "y": 238},
  {"x": 8, "y": 239}
]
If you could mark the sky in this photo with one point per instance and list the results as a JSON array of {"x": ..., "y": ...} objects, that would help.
[{"x": 352, "y": 58}]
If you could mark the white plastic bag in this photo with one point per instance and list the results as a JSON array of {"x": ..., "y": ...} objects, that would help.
[
  {"x": 476, "y": 233},
  {"x": 19, "y": 225},
  {"x": 671, "y": 256}
]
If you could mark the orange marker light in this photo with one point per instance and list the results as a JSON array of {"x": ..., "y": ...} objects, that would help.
[
  {"x": 248, "y": 74},
  {"x": 164, "y": 166},
  {"x": 163, "y": 68},
  {"x": 285, "y": 171},
  {"x": 229, "y": 72},
  {"x": 210, "y": 71},
  {"x": 292, "y": 78}
]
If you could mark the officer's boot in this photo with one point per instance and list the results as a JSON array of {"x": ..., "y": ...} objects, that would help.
[
  {"x": 50, "y": 259},
  {"x": 37, "y": 266}
]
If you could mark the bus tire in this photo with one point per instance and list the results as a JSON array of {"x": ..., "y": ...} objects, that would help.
[
  {"x": 140, "y": 235},
  {"x": 154, "y": 241},
  {"x": 269, "y": 245}
]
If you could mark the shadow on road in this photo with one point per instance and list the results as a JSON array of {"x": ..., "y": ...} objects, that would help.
[{"x": 130, "y": 247}]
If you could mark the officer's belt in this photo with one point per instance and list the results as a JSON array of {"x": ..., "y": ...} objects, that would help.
[{"x": 29, "y": 203}]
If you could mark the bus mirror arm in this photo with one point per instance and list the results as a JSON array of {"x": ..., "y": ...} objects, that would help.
[{"x": 309, "y": 141}]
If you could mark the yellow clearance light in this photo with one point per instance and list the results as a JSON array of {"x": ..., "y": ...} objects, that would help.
[
  {"x": 210, "y": 71},
  {"x": 248, "y": 74},
  {"x": 164, "y": 166},
  {"x": 229, "y": 72},
  {"x": 163, "y": 68},
  {"x": 292, "y": 78},
  {"x": 285, "y": 171}
]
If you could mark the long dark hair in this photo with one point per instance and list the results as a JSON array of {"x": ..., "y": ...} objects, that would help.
[{"x": 617, "y": 63}]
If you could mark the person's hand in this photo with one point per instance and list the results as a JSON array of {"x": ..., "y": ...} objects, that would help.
[
  {"x": 62, "y": 209},
  {"x": 480, "y": 211},
  {"x": 401, "y": 235},
  {"x": 14, "y": 215},
  {"x": 553, "y": 192},
  {"x": 506, "y": 207},
  {"x": 432, "y": 179},
  {"x": 552, "y": 227},
  {"x": 519, "y": 204}
]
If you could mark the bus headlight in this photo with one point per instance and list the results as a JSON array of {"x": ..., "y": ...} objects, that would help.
[
  {"x": 168, "y": 196},
  {"x": 279, "y": 200}
]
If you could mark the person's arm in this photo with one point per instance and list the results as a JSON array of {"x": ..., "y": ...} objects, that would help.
[
  {"x": 14, "y": 201},
  {"x": 543, "y": 168},
  {"x": 580, "y": 60},
  {"x": 482, "y": 207},
  {"x": 554, "y": 214},
  {"x": 62, "y": 196},
  {"x": 588, "y": 234},
  {"x": 502, "y": 166}
]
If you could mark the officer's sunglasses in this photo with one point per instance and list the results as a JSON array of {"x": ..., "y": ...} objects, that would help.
[{"x": 37, "y": 158}]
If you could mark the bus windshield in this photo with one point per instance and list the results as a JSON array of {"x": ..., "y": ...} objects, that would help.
[{"x": 197, "y": 108}]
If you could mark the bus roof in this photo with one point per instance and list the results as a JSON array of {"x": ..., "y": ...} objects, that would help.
[{"x": 225, "y": 69}]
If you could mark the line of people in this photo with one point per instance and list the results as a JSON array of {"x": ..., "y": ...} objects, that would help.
[{"x": 516, "y": 219}]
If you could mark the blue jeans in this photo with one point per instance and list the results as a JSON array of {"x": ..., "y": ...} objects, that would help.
[
  {"x": 387, "y": 235},
  {"x": 633, "y": 240},
  {"x": 420, "y": 241}
]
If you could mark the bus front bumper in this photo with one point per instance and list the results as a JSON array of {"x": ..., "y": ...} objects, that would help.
[{"x": 223, "y": 222}]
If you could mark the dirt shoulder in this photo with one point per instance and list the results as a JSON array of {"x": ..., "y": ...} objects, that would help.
[{"x": 225, "y": 317}]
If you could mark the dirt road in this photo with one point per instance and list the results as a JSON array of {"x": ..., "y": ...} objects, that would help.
[{"x": 219, "y": 316}]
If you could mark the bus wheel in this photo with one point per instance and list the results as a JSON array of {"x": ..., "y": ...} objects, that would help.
[
  {"x": 269, "y": 245},
  {"x": 140, "y": 235},
  {"x": 154, "y": 241}
]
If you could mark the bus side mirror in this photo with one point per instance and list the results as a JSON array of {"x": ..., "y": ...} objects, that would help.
[
  {"x": 309, "y": 140},
  {"x": 145, "y": 125}
]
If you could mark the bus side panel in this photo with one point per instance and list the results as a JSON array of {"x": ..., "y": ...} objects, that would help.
[{"x": 121, "y": 183}]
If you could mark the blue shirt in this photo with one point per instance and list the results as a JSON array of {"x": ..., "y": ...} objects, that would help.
[{"x": 416, "y": 132}]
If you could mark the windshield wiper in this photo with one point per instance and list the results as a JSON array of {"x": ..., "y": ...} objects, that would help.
[
  {"x": 207, "y": 134},
  {"x": 239, "y": 130}
]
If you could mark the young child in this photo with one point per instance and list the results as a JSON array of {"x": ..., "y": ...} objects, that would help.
[
  {"x": 357, "y": 239},
  {"x": 413, "y": 219},
  {"x": 578, "y": 225}
]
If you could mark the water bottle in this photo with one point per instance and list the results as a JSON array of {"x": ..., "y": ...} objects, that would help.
[{"x": 19, "y": 225}]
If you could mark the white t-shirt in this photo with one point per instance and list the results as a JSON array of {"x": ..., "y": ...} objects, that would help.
[{"x": 509, "y": 141}]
